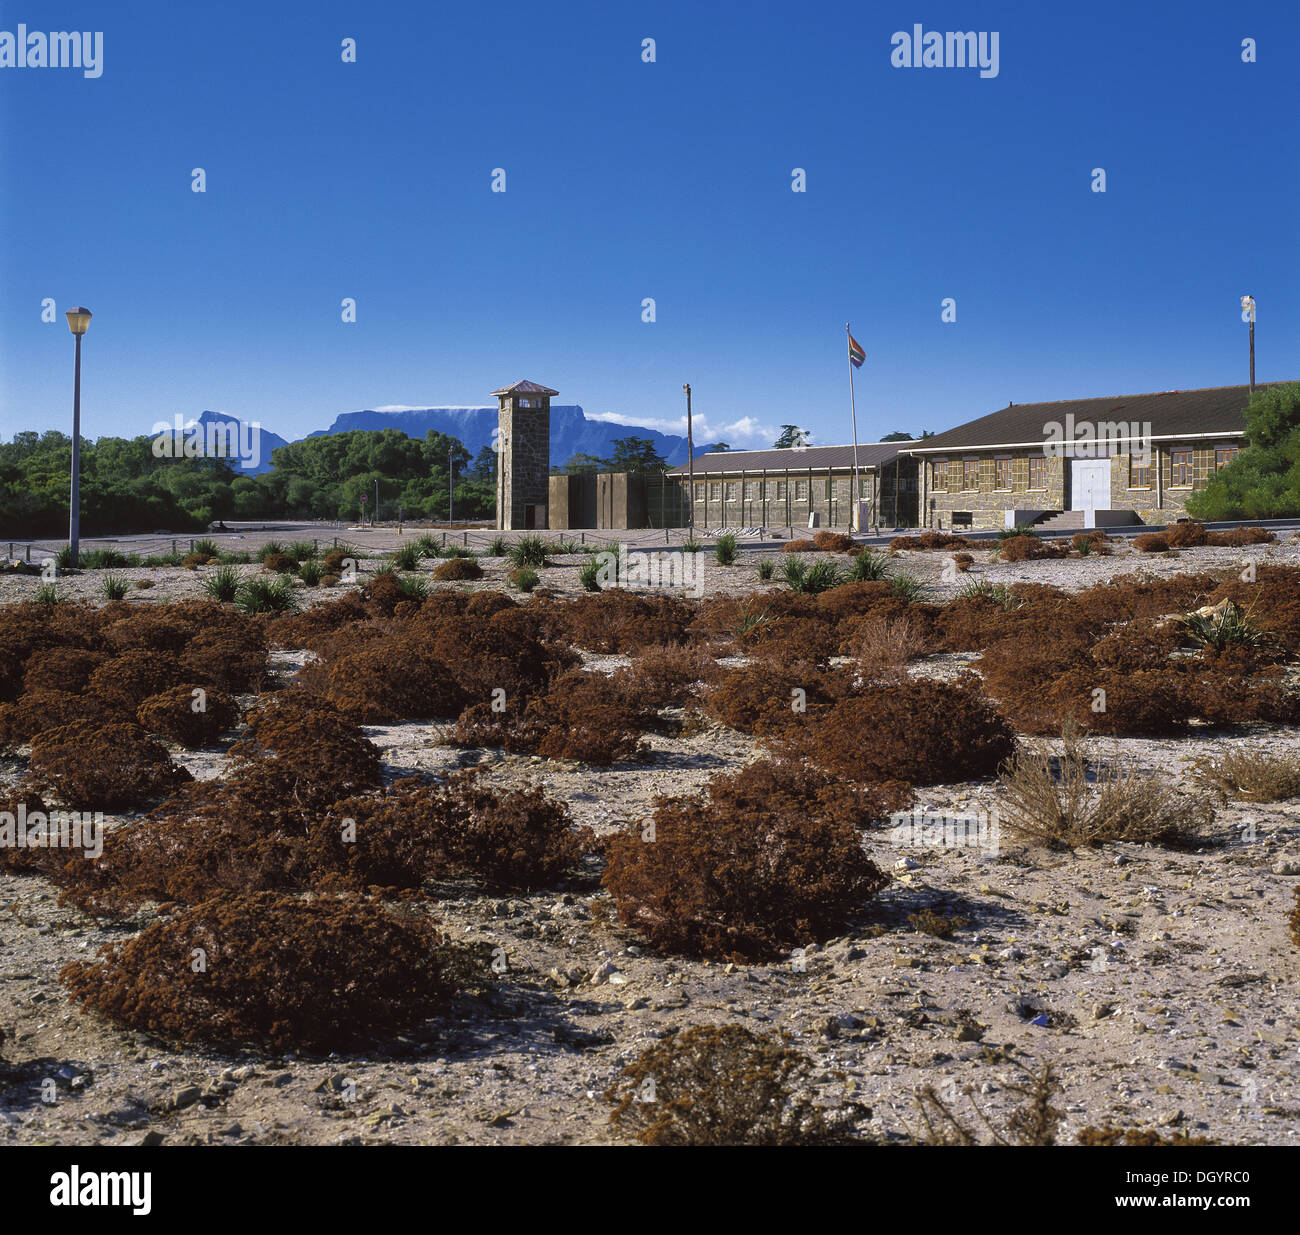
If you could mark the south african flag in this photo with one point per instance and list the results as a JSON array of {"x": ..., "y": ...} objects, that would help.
[{"x": 856, "y": 354}]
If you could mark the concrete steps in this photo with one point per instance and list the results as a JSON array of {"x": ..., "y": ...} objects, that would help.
[{"x": 1064, "y": 521}]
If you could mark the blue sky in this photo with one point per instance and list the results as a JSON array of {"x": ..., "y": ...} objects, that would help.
[{"x": 627, "y": 180}]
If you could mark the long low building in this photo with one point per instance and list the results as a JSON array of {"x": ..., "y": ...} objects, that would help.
[
  {"x": 785, "y": 488},
  {"x": 1083, "y": 463}
]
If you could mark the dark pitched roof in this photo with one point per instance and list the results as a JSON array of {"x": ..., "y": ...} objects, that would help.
[
  {"x": 1171, "y": 414},
  {"x": 796, "y": 458},
  {"x": 525, "y": 388}
]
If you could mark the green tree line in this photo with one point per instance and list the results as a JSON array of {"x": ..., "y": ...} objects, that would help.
[{"x": 126, "y": 488}]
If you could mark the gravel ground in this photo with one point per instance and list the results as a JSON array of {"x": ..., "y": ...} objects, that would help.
[{"x": 1166, "y": 978}]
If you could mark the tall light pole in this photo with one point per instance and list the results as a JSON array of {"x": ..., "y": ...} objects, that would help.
[
  {"x": 78, "y": 323},
  {"x": 690, "y": 463},
  {"x": 1248, "y": 311},
  {"x": 451, "y": 485}
]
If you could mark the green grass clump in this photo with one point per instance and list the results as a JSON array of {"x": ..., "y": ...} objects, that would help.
[
  {"x": 527, "y": 551},
  {"x": 302, "y": 550},
  {"x": 206, "y": 548},
  {"x": 115, "y": 587},
  {"x": 223, "y": 583},
  {"x": 414, "y": 587},
  {"x": 909, "y": 588},
  {"x": 262, "y": 595},
  {"x": 589, "y": 574},
  {"x": 525, "y": 578},
  {"x": 725, "y": 550},
  {"x": 407, "y": 556},
  {"x": 866, "y": 566},
  {"x": 272, "y": 547},
  {"x": 311, "y": 573},
  {"x": 766, "y": 567}
]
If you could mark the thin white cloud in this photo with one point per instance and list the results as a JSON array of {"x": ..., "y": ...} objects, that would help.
[
  {"x": 746, "y": 430},
  {"x": 427, "y": 407}
]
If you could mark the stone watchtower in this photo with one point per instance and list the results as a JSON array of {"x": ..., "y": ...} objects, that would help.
[{"x": 523, "y": 454}]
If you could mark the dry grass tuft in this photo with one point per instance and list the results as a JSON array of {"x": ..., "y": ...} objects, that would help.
[
  {"x": 1251, "y": 776},
  {"x": 1068, "y": 802}
]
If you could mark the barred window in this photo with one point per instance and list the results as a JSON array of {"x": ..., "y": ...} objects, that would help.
[
  {"x": 970, "y": 474},
  {"x": 941, "y": 474},
  {"x": 730, "y": 489},
  {"x": 1037, "y": 472},
  {"x": 1139, "y": 472},
  {"x": 1180, "y": 469},
  {"x": 800, "y": 490},
  {"x": 1002, "y": 469}
]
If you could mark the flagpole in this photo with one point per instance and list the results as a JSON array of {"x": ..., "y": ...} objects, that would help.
[{"x": 857, "y": 483}]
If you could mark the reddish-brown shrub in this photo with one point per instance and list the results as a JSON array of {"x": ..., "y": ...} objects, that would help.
[
  {"x": 792, "y": 640},
  {"x": 299, "y": 749},
  {"x": 24, "y": 809},
  {"x": 151, "y": 628},
  {"x": 232, "y": 659},
  {"x": 517, "y": 840},
  {"x": 1030, "y": 549},
  {"x": 1151, "y": 542},
  {"x": 963, "y": 561},
  {"x": 1240, "y": 537},
  {"x": 279, "y": 564},
  {"x": 1185, "y": 535},
  {"x": 584, "y": 716},
  {"x": 1129, "y": 596},
  {"x": 744, "y": 879},
  {"x": 766, "y": 698},
  {"x": 916, "y": 730},
  {"x": 618, "y": 621},
  {"x": 798, "y": 546},
  {"x": 1094, "y": 541},
  {"x": 1144, "y": 643},
  {"x": 132, "y": 676},
  {"x": 833, "y": 542},
  {"x": 89, "y": 765},
  {"x": 335, "y": 560},
  {"x": 670, "y": 675},
  {"x": 192, "y": 716},
  {"x": 457, "y": 568},
  {"x": 1270, "y": 602},
  {"x": 61, "y": 668},
  {"x": 38, "y": 710},
  {"x": 385, "y": 679},
  {"x": 322, "y": 975},
  {"x": 186, "y": 860},
  {"x": 930, "y": 540}
]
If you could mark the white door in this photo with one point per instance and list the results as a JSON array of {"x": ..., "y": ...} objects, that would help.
[{"x": 1089, "y": 486}]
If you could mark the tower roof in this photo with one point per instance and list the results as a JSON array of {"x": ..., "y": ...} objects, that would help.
[{"x": 525, "y": 388}]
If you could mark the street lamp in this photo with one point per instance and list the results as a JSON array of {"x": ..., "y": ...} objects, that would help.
[
  {"x": 690, "y": 463},
  {"x": 1248, "y": 311},
  {"x": 78, "y": 323}
]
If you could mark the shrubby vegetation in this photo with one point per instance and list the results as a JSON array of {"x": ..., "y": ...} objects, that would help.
[{"x": 125, "y": 488}]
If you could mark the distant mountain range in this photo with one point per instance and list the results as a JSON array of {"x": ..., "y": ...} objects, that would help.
[{"x": 571, "y": 432}]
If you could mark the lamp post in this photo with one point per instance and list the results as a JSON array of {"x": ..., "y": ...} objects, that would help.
[
  {"x": 690, "y": 463},
  {"x": 1248, "y": 311},
  {"x": 78, "y": 323}
]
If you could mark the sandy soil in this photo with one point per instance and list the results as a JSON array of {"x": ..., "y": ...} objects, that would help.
[{"x": 1167, "y": 978}]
